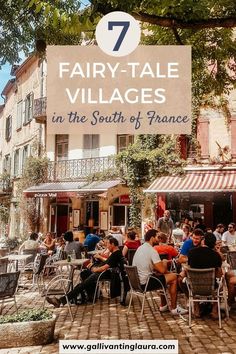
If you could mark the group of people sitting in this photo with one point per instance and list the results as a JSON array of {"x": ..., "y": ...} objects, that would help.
[{"x": 198, "y": 251}]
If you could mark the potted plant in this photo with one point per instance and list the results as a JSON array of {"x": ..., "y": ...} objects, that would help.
[{"x": 28, "y": 328}]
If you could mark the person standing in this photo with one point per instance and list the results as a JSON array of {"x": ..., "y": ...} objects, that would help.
[{"x": 165, "y": 224}]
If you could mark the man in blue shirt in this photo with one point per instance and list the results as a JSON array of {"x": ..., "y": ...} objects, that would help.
[
  {"x": 194, "y": 241},
  {"x": 90, "y": 241}
]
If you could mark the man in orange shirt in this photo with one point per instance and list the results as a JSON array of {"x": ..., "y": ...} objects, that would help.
[{"x": 164, "y": 248}]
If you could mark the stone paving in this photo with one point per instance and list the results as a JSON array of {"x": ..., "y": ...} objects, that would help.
[{"x": 109, "y": 320}]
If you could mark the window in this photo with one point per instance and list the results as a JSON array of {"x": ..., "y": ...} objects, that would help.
[
  {"x": 8, "y": 128},
  {"x": 62, "y": 142},
  {"x": 91, "y": 145},
  {"x": 28, "y": 108},
  {"x": 19, "y": 115},
  {"x": 123, "y": 141},
  {"x": 25, "y": 154},
  {"x": 7, "y": 164},
  {"x": 17, "y": 162}
]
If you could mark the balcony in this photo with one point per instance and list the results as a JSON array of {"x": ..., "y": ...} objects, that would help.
[
  {"x": 80, "y": 169},
  {"x": 5, "y": 186},
  {"x": 40, "y": 105}
]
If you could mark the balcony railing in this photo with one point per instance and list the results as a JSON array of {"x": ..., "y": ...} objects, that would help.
[
  {"x": 5, "y": 186},
  {"x": 40, "y": 105},
  {"x": 80, "y": 168}
]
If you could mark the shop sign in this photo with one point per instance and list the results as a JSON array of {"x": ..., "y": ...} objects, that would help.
[{"x": 124, "y": 199}]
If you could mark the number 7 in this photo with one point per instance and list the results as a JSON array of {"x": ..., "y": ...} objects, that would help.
[{"x": 125, "y": 25}]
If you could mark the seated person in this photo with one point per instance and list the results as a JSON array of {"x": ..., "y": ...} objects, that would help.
[
  {"x": 91, "y": 241},
  {"x": 203, "y": 257},
  {"x": 116, "y": 232},
  {"x": 131, "y": 243},
  {"x": 229, "y": 236},
  {"x": 186, "y": 232},
  {"x": 231, "y": 285},
  {"x": 148, "y": 262},
  {"x": 177, "y": 233},
  {"x": 194, "y": 241},
  {"x": 31, "y": 243},
  {"x": 100, "y": 257},
  {"x": 49, "y": 242},
  {"x": 73, "y": 246},
  {"x": 114, "y": 260},
  {"x": 163, "y": 247}
]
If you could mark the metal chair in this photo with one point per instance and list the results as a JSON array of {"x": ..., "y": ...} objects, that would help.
[
  {"x": 59, "y": 285},
  {"x": 136, "y": 288},
  {"x": 3, "y": 265},
  {"x": 33, "y": 254},
  {"x": 8, "y": 287},
  {"x": 113, "y": 281},
  {"x": 130, "y": 255},
  {"x": 36, "y": 269},
  {"x": 231, "y": 259},
  {"x": 202, "y": 286}
]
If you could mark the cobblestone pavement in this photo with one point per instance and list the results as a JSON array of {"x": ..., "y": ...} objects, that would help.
[{"x": 109, "y": 320}]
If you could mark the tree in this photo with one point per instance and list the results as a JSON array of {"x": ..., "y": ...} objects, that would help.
[
  {"x": 25, "y": 23},
  {"x": 149, "y": 157},
  {"x": 207, "y": 25}
]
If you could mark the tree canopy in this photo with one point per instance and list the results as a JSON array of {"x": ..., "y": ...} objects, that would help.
[{"x": 207, "y": 25}]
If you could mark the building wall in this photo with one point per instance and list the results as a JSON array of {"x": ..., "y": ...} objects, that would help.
[
  {"x": 29, "y": 79},
  {"x": 107, "y": 143}
]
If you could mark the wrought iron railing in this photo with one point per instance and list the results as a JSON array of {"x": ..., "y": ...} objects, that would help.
[
  {"x": 40, "y": 105},
  {"x": 79, "y": 168},
  {"x": 5, "y": 185}
]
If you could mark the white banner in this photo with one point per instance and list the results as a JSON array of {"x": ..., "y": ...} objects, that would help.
[{"x": 118, "y": 346}]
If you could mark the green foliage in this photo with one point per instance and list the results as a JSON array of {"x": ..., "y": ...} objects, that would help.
[
  {"x": 27, "y": 315},
  {"x": 149, "y": 157},
  {"x": 23, "y": 22},
  {"x": 4, "y": 213},
  {"x": 6, "y": 242},
  {"x": 35, "y": 171},
  {"x": 103, "y": 176}
]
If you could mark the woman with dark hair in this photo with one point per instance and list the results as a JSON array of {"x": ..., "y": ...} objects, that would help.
[
  {"x": 31, "y": 243},
  {"x": 131, "y": 243},
  {"x": 73, "y": 246}
]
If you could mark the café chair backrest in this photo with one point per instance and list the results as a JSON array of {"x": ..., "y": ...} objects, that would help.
[
  {"x": 231, "y": 259},
  {"x": 3, "y": 265}
]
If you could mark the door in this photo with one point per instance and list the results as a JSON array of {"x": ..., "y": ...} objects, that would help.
[{"x": 62, "y": 219}]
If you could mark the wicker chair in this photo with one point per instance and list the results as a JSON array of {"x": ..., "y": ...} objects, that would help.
[
  {"x": 8, "y": 287},
  {"x": 202, "y": 286},
  {"x": 3, "y": 265},
  {"x": 136, "y": 289}
]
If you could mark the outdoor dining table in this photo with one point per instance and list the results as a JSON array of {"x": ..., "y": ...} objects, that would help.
[
  {"x": 17, "y": 257},
  {"x": 73, "y": 264},
  {"x": 92, "y": 253}
]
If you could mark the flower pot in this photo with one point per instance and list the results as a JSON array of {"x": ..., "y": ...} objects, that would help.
[{"x": 31, "y": 333}]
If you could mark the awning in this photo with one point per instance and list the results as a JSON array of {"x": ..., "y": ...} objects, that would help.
[
  {"x": 69, "y": 189},
  {"x": 197, "y": 180}
]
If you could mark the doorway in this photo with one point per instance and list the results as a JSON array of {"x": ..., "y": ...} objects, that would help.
[{"x": 60, "y": 218}]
